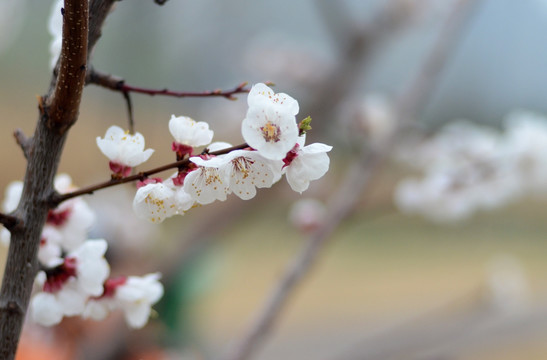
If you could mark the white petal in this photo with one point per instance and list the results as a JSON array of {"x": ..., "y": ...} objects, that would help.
[
  {"x": 261, "y": 96},
  {"x": 249, "y": 170},
  {"x": 207, "y": 184},
  {"x": 272, "y": 132},
  {"x": 92, "y": 269},
  {"x": 71, "y": 299},
  {"x": 311, "y": 163},
  {"x": 137, "y": 315},
  {"x": 12, "y": 196},
  {"x": 187, "y": 131},
  {"x": 97, "y": 309},
  {"x": 45, "y": 309},
  {"x": 155, "y": 202}
]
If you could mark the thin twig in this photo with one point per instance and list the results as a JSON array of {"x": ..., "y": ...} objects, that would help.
[
  {"x": 115, "y": 83},
  {"x": 56, "y": 199},
  {"x": 23, "y": 141},
  {"x": 131, "y": 119},
  {"x": 346, "y": 198}
]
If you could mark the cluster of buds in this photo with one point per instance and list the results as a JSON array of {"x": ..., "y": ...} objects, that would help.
[{"x": 275, "y": 146}]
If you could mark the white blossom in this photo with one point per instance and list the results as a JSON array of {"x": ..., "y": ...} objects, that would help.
[
  {"x": 183, "y": 200},
  {"x": 72, "y": 219},
  {"x": 137, "y": 296},
  {"x": 466, "y": 168},
  {"x": 12, "y": 196},
  {"x": 306, "y": 163},
  {"x": 50, "y": 250},
  {"x": 187, "y": 131},
  {"x": 92, "y": 269},
  {"x": 133, "y": 295},
  {"x": 270, "y": 124},
  {"x": 155, "y": 202},
  {"x": 307, "y": 214},
  {"x": 123, "y": 148},
  {"x": 248, "y": 170},
  {"x": 209, "y": 182}
]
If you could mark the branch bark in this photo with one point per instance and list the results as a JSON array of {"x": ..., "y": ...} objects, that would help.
[{"x": 58, "y": 112}]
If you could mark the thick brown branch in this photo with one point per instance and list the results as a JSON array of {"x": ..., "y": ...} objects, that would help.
[
  {"x": 56, "y": 199},
  {"x": 58, "y": 111},
  {"x": 61, "y": 109},
  {"x": 115, "y": 83}
]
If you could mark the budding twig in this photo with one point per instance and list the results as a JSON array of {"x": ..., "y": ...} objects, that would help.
[
  {"x": 56, "y": 199},
  {"x": 23, "y": 141},
  {"x": 115, "y": 83}
]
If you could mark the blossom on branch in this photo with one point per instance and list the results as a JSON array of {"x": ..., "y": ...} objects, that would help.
[
  {"x": 188, "y": 134},
  {"x": 155, "y": 202},
  {"x": 306, "y": 163},
  {"x": 248, "y": 170},
  {"x": 64, "y": 289},
  {"x": 133, "y": 295},
  {"x": 270, "y": 124},
  {"x": 209, "y": 182},
  {"x": 125, "y": 151}
]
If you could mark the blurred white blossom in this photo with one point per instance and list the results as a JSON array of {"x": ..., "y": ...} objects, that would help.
[
  {"x": 467, "y": 168},
  {"x": 307, "y": 214}
]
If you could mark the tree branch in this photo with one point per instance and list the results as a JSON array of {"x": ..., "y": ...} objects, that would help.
[
  {"x": 348, "y": 194},
  {"x": 115, "y": 83},
  {"x": 58, "y": 111},
  {"x": 55, "y": 199},
  {"x": 62, "y": 108}
]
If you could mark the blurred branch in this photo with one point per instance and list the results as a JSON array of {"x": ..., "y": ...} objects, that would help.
[
  {"x": 55, "y": 199},
  {"x": 355, "y": 46},
  {"x": 160, "y": 2},
  {"x": 24, "y": 142},
  {"x": 346, "y": 198},
  {"x": 115, "y": 83},
  {"x": 451, "y": 333}
]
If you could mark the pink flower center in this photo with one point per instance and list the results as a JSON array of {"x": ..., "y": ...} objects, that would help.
[
  {"x": 147, "y": 181},
  {"x": 270, "y": 132},
  {"x": 119, "y": 170},
  {"x": 110, "y": 286},
  {"x": 58, "y": 218},
  {"x": 291, "y": 155},
  {"x": 58, "y": 276},
  {"x": 181, "y": 150}
]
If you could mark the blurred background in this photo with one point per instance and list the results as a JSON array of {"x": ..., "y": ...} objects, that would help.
[{"x": 389, "y": 282}]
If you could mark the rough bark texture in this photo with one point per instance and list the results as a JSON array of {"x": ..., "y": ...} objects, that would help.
[{"x": 57, "y": 113}]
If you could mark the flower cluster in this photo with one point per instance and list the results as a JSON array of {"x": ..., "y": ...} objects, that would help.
[
  {"x": 275, "y": 146},
  {"x": 74, "y": 273},
  {"x": 469, "y": 168}
]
